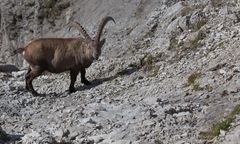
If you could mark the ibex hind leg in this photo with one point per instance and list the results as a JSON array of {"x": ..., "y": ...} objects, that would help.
[
  {"x": 83, "y": 78},
  {"x": 27, "y": 74},
  {"x": 35, "y": 72}
]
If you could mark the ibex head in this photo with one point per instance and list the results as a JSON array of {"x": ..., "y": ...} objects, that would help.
[{"x": 95, "y": 45}]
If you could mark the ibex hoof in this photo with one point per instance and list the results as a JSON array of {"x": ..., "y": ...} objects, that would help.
[
  {"x": 72, "y": 90},
  {"x": 34, "y": 93},
  {"x": 27, "y": 88},
  {"x": 86, "y": 82}
]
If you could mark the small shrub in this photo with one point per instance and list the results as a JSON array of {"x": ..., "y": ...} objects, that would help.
[
  {"x": 201, "y": 23},
  {"x": 216, "y": 3},
  {"x": 113, "y": 77},
  {"x": 186, "y": 11},
  {"x": 136, "y": 46},
  {"x": 191, "y": 81},
  {"x": 196, "y": 87},
  {"x": 49, "y": 10},
  {"x": 147, "y": 61},
  {"x": 158, "y": 141},
  {"x": 209, "y": 88},
  {"x": 53, "y": 9},
  {"x": 192, "y": 78},
  {"x": 155, "y": 70},
  {"x": 173, "y": 43},
  {"x": 218, "y": 45},
  {"x": 222, "y": 125},
  {"x": 49, "y": 3},
  {"x": 149, "y": 34},
  {"x": 195, "y": 41}
]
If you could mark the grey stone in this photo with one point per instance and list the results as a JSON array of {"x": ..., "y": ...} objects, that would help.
[{"x": 8, "y": 68}]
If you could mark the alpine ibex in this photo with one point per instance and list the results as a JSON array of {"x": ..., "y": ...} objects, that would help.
[{"x": 57, "y": 55}]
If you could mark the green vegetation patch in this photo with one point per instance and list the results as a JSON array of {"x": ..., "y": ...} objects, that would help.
[
  {"x": 218, "y": 45},
  {"x": 192, "y": 81},
  {"x": 195, "y": 41},
  {"x": 50, "y": 3},
  {"x": 222, "y": 125},
  {"x": 148, "y": 63},
  {"x": 155, "y": 70},
  {"x": 196, "y": 87},
  {"x": 53, "y": 9},
  {"x": 216, "y": 3},
  {"x": 209, "y": 88},
  {"x": 192, "y": 78},
  {"x": 158, "y": 141},
  {"x": 201, "y": 23},
  {"x": 173, "y": 43}
]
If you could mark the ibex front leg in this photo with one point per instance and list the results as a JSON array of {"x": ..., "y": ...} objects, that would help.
[
  {"x": 73, "y": 75},
  {"x": 83, "y": 78}
]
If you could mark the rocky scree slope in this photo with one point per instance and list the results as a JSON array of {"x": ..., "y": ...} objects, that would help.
[{"x": 169, "y": 73}]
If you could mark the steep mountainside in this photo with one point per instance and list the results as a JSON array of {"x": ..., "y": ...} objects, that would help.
[{"x": 169, "y": 73}]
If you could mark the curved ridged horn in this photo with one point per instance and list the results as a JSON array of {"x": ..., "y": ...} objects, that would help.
[
  {"x": 101, "y": 26},
  {"x": 81, "y": 29}
]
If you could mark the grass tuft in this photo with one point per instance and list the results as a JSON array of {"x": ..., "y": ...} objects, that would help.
[
  {"x": 158, "y": 141},
  {"x": 222, "y": 125},
  {"x": 173, "y": 43},
  {"x": 201, "y": 23},
  {"x": 191, "y": 81},
  {"x": 195, "y": 41},
  {"x": 147, "y": 62},
  {"x": 192, "y": 78},
  {"x": 216, "y": 3},
  {"x": 50, "y": 3}
]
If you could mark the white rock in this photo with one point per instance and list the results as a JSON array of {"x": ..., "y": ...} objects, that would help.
[
  {"x": 222, "y": 133},
  {"x": 19, "y": 73},
  {"x": 222, "y": 72}
]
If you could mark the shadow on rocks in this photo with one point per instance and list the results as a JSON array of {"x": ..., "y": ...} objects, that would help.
[
  {"x": 93, "y": 84},
  {"x": 100, "y": 81},
  {"x": 8, "y": 138},
  {"x": 8, "y": 68}
]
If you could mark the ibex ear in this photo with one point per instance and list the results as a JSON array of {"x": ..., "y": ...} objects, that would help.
[{"x": 102, "y": 42}]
